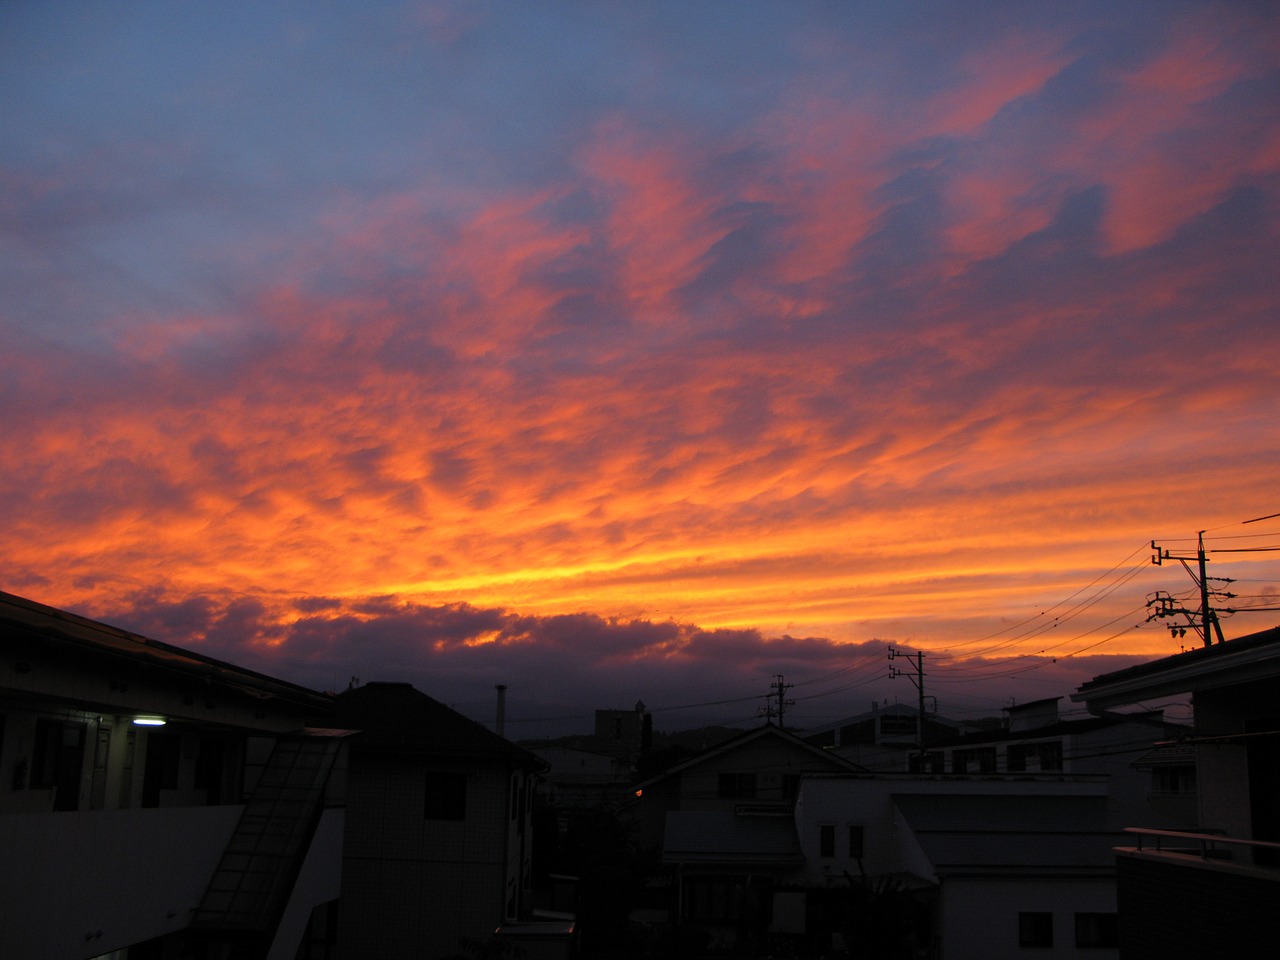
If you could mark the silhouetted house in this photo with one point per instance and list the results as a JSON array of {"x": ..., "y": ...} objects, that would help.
[
  {"x": 1143, "y": 783},
  {"x": 437, "y": 848},
  {"x": 625, "y": 733},
  {"x": 887, "y": 737},
  {"x": 723, "y": 825},
  {"x": 158, "y": 803},
  {"x": 1210, "y": 891},
  {"x": 586, "y": 771},
  {"x": 578, "y": 778},
  {"x": 971, "y": 867}
]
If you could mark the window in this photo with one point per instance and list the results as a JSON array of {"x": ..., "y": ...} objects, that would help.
[
  {"x": 446, "y": 796},
  {"x": 58, "y": 756},
  {"x": 895, "y": 725},
  {"x": 1051, "y": 755},
  {"x": 1034, "y": 756},
  {"x": 1097, "y": 930},
  {"x": 1175, "y": 781},
  {"x": 718, "y": 899},
  {"x": 1035, "y": 929},
  {"x": 210, "y": 762},
  {"x": 736, "y": 786},
  {"x": 856, "y": 832},
  {"x": 827, "y": 840},
  {"x": 974, "y": 760},
  {"x": 932, "y": 762},
  {"x": 160, "y": 765}
]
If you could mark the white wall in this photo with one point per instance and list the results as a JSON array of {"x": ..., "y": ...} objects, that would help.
[
  {"x": 889, "y": 846},
  {"x": 319, "y": 881},
  {"x": 980, "y": 917},
  {"x": 81, "y": 884}
]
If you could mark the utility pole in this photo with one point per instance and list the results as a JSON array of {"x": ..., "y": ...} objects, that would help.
[
  {"x": 779, "y": 691},
  {"x": 918, "y": 680},
  {"x": 1164, "y": 603}
]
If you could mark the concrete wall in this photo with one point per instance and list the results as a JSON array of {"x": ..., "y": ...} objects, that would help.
[
  {"x": 1191, "y": 911},
  {"x": 80, "y": 884},
  {"x": 888, "y": 845},
  {"x": 979, "y": 918},
  {"x": 413, "y": 887}
]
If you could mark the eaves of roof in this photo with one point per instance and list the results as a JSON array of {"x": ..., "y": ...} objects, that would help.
[
  {"x": 1246, "y": 658},
  {"x": 69, "y": 634},
  {"x": 826, "y": 758},
  {"x": 397, "y": 718}
]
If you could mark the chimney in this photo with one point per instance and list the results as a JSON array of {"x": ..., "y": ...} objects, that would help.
[{"x": 500, "y": 725}]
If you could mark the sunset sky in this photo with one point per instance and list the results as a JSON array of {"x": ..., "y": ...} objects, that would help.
[{"x": 620, "y": 351}]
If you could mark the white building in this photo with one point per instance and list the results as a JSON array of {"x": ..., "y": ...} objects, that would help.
[{"x": 157, "y": 804}]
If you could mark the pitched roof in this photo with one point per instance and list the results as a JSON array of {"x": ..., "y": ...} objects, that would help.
[
  {"x": 399, "y": 718},
  {"x": 1014, "y": 834},
  {"x": 723, "y": 837},
  {"x": 1244, "y": 659},
  {"x": 823, "y": 760},
  {"x": 53, "y": 629}
]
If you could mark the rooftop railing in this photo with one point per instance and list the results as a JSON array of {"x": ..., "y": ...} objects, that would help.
[{"x": 1206, "y": 846}]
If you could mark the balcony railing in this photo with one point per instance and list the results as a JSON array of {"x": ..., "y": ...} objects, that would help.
[{"x": 1207, "y": 846}]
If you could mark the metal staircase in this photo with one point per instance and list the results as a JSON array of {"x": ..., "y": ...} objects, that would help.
[{"x": 250, "y": 887}]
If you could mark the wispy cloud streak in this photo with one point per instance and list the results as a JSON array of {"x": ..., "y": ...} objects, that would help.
[{"x": 909, "y": 328}]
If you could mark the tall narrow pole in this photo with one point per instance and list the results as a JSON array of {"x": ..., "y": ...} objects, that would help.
[
  {"x": 1207, "y": 614},
  {"x": 918, "y": 680},
  {"x": 920, "y": 690}
]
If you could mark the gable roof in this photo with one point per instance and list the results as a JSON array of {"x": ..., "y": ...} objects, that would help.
[
  {"x": 824, "y": 761},
  {"x": 396, "y": 717}
]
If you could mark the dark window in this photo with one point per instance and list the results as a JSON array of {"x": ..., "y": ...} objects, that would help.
[
  {"x": 1035, "y": 929},
  {"x": 209, "y": 767},
  {"x": 160, "y": 768},
  {"x": 736, "y": 786},
  {"x": 895, "y": 725},
  {"x": 1051, "y": 755},
  {"x": 975, "y": 760},
  {"x": 1034, "y": 756},
  {"x": 827, "y": 840},
  {"x": 721, "y": 899},
  {"x": 935, "y": 762},
  {"x": 58, "y": 757},
  {"x": 1173, "y": 780},
  {"x": 1016, "y": 759},
  {"x": 856, "y": 837},
  {"x": 446, "y": 796},
  {"x": 1097, "y": 930},
  {"x": 790, "y": 786}
]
